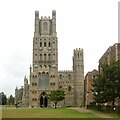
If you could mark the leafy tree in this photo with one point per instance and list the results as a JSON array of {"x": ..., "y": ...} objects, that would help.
[
  {"x": 112, "y": 80},
  {"x": 56, "y": 96},
  {"x": 11, "y": 100},
  {"x": 3, "y": 99},
  {"x": 118, "y": 78},
  {"x": 106, "y": 87},
  {"x": 99, "y": 91}
]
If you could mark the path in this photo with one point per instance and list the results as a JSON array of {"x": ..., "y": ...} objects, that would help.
[{"x": 99, "y": 114}]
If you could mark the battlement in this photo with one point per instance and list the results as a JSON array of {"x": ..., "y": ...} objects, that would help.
[
  {"x": 45, "y": 17},
  {"x": 42, "y": 17},
  {"x": 78, "y": 49}
]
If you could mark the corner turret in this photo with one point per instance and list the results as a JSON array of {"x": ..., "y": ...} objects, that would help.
[
  {"x": 78, "y": 69},
  {"x": 54, "y": 23},
  {"x": 36, "y": 33}
]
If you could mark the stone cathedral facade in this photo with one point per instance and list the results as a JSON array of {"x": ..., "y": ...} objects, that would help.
[{"x": 44, "y": 74}]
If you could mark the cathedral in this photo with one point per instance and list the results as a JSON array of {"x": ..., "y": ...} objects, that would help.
[{"x": 44, "y": 74}]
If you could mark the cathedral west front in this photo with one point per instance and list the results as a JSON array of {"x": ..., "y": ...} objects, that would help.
[{"x": 44, "y": 74}]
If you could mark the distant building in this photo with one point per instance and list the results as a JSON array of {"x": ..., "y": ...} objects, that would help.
[
  {"x": 18, "y": 96},
  {"x": 111, "y": 54},
  {"x": 44, "y": 73},
  {"x": 88, "y": 96}
]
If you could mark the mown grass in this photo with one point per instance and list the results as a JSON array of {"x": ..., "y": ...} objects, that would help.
[
  {"x": 44, "y": 113},
  {"x": 112, "y": 114}
]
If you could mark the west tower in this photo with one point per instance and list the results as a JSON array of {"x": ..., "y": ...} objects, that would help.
[{"x": 44, "y": 76}]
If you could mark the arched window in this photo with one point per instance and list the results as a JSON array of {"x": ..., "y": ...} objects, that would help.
[
  {"x": 40, "y": 57},
  {"x": 44, "y": 57},
  {"x": 45, "y": 26},
  {"x": 78, "y": 55},
  {"x": 43, "y": 80},
  {"x": 44, "y": 44},
  {"x": 53, "y": 57},
  {"x": 40, "y": 44},
  {"x": 40, "y": 66},
  {"x": 60, "y": 86},
  {"x": 69, "y": 77},
  {"x": 60, "y": 77},
  {"x": 49, "y": 44},
  {"x": 69, "y": 88},
  {"x": 49, "y": 67},
  {"x": 49, "y": 57},
  {"x": 45, "y": 66},
  {"x": 53, "y": 44}
]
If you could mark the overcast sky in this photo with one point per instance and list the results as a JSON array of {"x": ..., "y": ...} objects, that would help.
[{"x": 88, "y": 24}]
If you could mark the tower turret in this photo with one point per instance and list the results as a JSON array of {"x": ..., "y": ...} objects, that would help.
[
  {"x": 78, "y": 68},
  {"x": 30, "y": 73},
  {"x": 36, "y": 33},
  {"x": 16, "y": 95},
  {"x": 25, "y": 80},
  {"x": 26, "y": 93},
  {"x": 54, "y": 23}
]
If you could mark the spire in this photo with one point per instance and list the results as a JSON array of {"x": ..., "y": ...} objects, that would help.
[
  {"x": 25, "y": 77},
  {"x": 30, "y": 68},
  {"x": 16, "y": 88},
  {"x": 25, "y": 80}
]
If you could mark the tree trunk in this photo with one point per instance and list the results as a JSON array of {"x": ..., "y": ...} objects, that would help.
[
  {"x": 55, "y": 105},
  {"x": 113, "y": 104},
  {"x": 99, "y": 107}
]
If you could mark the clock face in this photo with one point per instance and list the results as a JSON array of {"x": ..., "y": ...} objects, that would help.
[{"x": 45, "y": 26}]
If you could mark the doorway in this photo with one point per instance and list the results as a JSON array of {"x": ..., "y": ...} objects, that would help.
[{"x": 43, "y": 100}]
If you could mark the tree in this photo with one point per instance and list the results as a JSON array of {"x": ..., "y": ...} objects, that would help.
[
  {"x": 3, "y": 99},
  {"x": 56, "y": 96},
  {"x": 118, "y": 78},
  {"x": 11, "y": 100},
  {"x": 106, "y": 88},
  {"x": 99, "y": 91}
]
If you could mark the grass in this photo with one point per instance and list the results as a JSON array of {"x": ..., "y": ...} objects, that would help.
[
  {"x": 44, "y": 113},
  {"x": 112, "y": 114},
  {"x": 115, "y": 115}
]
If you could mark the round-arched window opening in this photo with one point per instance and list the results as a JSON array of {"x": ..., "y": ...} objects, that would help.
[
  {"x": 69, "y": 88},
  {"x": 45, "y": 26}
]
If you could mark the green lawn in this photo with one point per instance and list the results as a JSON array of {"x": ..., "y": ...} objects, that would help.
[
  {"x": 114, "y": 115},
  {"x": 44, "y": 113}
]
